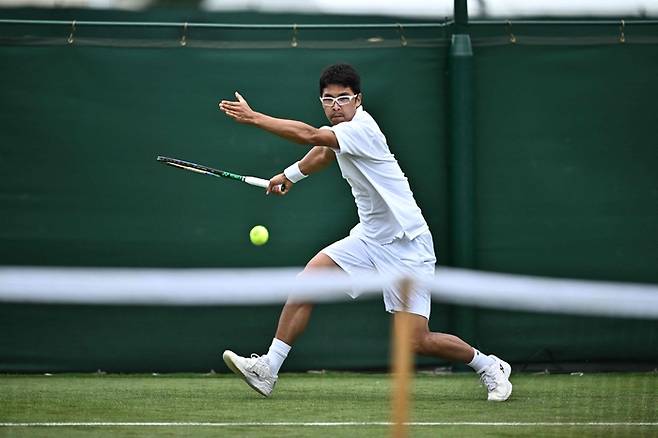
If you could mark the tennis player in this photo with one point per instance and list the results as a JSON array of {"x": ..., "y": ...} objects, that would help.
[{"x": 391, "y": 237}]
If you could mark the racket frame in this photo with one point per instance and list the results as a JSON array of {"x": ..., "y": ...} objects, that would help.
[{"x": 206, "y": 170}]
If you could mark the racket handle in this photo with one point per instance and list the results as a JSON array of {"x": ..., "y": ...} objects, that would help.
[{"x": 260, "y": 182}]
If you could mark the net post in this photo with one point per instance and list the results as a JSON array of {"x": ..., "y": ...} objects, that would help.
[
  {"x": 462, "y": 204},
  {"x": 402, "y": 363}
]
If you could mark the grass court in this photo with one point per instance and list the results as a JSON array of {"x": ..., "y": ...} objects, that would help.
[{"x": 329, "y": 404}]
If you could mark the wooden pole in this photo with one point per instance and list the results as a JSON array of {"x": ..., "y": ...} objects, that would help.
[{"x": 402, "y": 363}]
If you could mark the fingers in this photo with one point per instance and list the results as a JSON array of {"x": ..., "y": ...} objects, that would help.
[
  {"x": 281, "y": 189},
  {"x": 225, "y": 104},
  {"x": 237, "y": 110},
  {"x": 273, "y": 186},
  {"x": 232, "y": 114},
  {"x": 279, "y": 185},
  {"x": 232, "y": 110},
  {"x": 230, "y": 103},
  {"x": 276, "y": 189}
]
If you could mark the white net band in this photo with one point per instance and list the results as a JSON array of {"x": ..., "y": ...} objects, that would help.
[{"x": 275, "y": 285}]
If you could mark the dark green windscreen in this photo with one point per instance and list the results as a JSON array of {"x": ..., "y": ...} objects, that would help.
[
  {"x": 565, "y": 159},
  {"x": 83, "y": 126}
]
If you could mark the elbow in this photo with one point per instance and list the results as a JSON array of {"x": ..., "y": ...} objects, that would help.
[
  {"x": 315, "y": 138},
  {"x": 325, "y": 157},
  {"x": 322, "y": 137},
  {"x": 328, "y": 154},
  {"x": 316, "y": 160}
]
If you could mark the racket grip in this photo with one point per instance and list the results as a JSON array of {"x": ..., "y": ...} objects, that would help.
[{"x": 260, "y": 182}]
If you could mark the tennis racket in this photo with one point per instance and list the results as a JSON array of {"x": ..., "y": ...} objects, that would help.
[{"x": 198, "y": 168}]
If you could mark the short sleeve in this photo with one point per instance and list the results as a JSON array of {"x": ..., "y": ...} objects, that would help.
[{"x": 354, "y": 138}]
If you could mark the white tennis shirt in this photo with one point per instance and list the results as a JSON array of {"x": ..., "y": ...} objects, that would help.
[{"x": 386, "y": 206}]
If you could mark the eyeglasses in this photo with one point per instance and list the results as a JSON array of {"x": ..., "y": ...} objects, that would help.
[{"x": 340, "y": 100}]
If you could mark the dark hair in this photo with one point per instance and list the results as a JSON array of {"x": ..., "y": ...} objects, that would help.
[{"x": 340, "y": 74}]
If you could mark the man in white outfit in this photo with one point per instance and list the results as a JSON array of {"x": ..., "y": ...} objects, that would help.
[{"x": 391, "y": 237}]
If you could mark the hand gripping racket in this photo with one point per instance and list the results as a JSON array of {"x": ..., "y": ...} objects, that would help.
[{"x": 251, "y": 180}]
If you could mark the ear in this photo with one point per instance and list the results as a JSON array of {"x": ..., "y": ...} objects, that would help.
[{"x": 359, "y": 99}]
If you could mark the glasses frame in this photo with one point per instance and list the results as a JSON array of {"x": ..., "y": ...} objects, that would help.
[{"x": 334, "y": 100}]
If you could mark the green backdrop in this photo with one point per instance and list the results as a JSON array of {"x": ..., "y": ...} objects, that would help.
[{"x": 565, "y": 177}]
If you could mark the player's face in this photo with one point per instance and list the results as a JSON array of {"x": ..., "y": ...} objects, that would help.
[{"x": 339, "y": 103}]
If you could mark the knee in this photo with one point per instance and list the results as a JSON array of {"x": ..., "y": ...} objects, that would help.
[
  {"x": 297, "y": 307},
  {"x": 419, "y": 336},
  {"x": 418, "y": 342},
  {"x": 320, "y": 261}
]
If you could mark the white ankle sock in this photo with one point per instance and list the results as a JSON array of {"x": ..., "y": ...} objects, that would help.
[
  {"x": 480, "y": 361},
  {"x": 277, "y": 354}
]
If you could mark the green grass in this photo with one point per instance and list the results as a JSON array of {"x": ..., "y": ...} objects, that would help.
[{"x": 331, "y": 397}]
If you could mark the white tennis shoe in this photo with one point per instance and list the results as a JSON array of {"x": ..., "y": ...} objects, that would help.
[
  {"x": 496, "y": 379},
  {"x": 255, "y": 370}
]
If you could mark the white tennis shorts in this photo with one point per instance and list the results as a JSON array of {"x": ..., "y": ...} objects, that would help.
[{"x": 356, "y": 255}]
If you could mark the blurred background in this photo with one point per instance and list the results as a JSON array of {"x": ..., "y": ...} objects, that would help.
[
  {"x": 411, "y": 8},
  {"x": 529, "y": 141}
]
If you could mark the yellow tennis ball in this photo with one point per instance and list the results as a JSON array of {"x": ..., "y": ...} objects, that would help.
[{"x": 259, "y": 235}]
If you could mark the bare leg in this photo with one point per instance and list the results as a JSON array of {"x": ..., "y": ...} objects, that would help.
[
  {"x": 494, "y": 372},
  {"x": 442, "y": 345},
  {"x": 295, "y": 316},
  {"x": 261, "y": 372}
]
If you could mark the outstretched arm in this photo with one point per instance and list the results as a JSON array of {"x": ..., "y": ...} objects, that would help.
[
  {"x": 315, "y": 160},
  {"x": 292, "y": 130}
]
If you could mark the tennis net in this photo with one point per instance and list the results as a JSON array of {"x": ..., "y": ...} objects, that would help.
[{"x": 180, "y": 320}]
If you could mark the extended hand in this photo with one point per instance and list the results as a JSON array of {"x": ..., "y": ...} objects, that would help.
[
  {"x": 238, "y": 111},
  {"x": 275, "y": 185}
]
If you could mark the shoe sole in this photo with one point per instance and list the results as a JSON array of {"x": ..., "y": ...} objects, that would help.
[
  {"x": 507, "y": 370},
  {"x": 228, "y": 360},
  {"x": 505, "y": 397}
]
